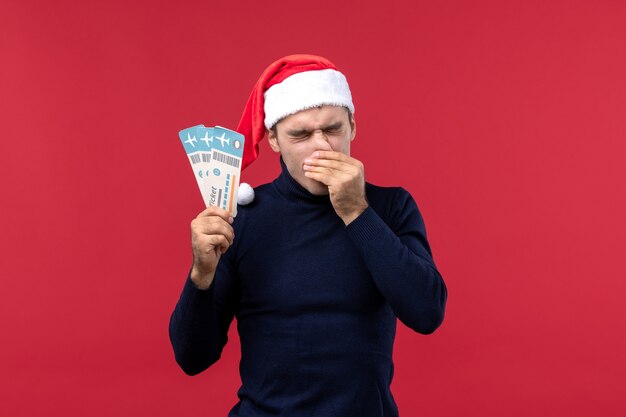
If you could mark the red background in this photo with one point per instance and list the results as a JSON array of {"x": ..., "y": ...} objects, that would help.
[{"x": 505, "y": 120}]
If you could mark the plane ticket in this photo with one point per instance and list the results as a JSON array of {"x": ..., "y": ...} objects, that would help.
[{"x": 215, "y": 155}]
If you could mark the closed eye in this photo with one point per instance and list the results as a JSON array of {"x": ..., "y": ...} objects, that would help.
[
  {"x": 299, "y": 134},
  {"x": 334, "y": 128}
]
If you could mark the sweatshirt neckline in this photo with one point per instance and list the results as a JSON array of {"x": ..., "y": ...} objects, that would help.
[{"x": 288, "y": 187}]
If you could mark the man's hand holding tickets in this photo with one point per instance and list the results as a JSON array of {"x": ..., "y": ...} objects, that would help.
[
  {"x": 211, "y": 236},
  {"x": 344, "y": 176}
]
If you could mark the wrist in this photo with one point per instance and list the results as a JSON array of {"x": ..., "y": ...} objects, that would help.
[
  {"x": 202, "y": 280},
  {"x": 353, "y": 215}
]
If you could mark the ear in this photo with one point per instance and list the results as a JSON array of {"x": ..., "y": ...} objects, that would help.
[
  {"x": 273, "y": 140},
  {"x": 353, "y": 127}
]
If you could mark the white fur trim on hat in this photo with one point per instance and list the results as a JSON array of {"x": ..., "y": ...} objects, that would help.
[{"x": 306, "y": 90}]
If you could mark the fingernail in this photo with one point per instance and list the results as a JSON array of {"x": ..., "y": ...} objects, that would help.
[{"x": 231, "y": 220}]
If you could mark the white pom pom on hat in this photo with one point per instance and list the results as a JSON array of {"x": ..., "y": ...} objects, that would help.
[
  {"x": 289, "y": 85},
  {"x": 245, "y": 195}
]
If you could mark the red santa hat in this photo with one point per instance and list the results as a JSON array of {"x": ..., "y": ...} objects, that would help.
[{"x": 289, "y": 85}]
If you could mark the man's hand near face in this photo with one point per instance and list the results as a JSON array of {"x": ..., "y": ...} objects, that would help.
[{"x": 344, "y": 176}]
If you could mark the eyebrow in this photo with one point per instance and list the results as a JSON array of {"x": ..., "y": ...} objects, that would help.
[{"x": 306, "y": 132}]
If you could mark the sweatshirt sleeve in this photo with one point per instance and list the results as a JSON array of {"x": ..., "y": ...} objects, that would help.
[
  {"x": 399, "y": 259},
  {"x": 199, "y": 324}
]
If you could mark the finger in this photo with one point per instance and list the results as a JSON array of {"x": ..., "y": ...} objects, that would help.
[
  {"x": 337, "y": 161},
  {"x": 330, "y": 176},
  {"x": 210, "y": 220},
  {"x": 322, "y": 177},
  {"x": 320, "y": 169},
  {"x": 217, "y": 211},
  {"x": 333, "y": 155},
  {"x": 217, "y": 229},
  {"x": 312, "y": 163},
  {"x": 213, "y": 226},
  {"x": 210, "y": 242}
]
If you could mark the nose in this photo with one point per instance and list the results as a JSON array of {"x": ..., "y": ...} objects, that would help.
[{"x": 321, "y": 141}]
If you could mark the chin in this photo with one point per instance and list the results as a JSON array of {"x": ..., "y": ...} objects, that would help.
[{"x": 316, "y": 188}]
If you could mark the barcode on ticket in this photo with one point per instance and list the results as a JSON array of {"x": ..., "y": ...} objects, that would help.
[
  {"x": 197, "y": 157},
  {"x": 226, "y": 159}
]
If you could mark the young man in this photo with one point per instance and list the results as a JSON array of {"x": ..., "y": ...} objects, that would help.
[{"x": 316, "y": 269}]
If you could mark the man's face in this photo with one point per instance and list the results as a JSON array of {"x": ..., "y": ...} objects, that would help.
[{"x": 326, "y": 128}]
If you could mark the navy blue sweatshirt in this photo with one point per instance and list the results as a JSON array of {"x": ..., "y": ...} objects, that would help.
[{"x": 316, "y": 302}]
